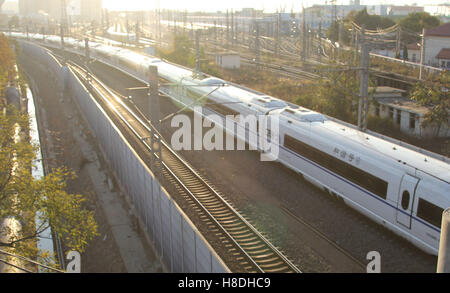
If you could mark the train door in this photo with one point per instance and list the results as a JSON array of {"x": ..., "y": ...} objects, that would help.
[{"x": 406, "y": 200}]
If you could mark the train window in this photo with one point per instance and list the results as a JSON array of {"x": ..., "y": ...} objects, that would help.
[
  {"x": 430, "y": 212},
  {"x": 405, "y": 199},
  {"x": 350, "y": 172}
]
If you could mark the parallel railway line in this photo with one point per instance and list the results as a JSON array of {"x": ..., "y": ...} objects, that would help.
[{"x": 247, "y": 246}]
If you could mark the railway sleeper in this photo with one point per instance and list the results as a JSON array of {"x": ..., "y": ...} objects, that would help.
[{"x": 249, "y": 244}]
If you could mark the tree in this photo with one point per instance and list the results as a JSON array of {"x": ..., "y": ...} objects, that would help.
[
  {"x": 180, "y": 52},
  {"x": 372, "y": 22},
  {"x": 34, "y": 204},
  {"x": 14, "y": 22},
  {"x": 415, "y": 22},
  {"x": 405, "y": 52},
  {"x": 335, "y": 95},
  {"x": 333, "y": 33},
  {"x": 29, "y": 201},
  {"x": 435, "y": 95},
  {"x": 362, "y": 17},
  {"x": 6, "y": 63}
]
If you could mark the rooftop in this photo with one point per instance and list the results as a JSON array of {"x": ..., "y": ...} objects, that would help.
[
  {"x": 388, "y": 92},
  {"x": 440, "y": 31},
  {"x": 444, "y": 54},
  {"x": 413, "y": 46},
  {"x": 404, "y": 104}
]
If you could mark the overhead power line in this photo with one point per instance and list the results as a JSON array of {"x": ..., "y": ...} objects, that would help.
[{"x": 28, "y": 260}]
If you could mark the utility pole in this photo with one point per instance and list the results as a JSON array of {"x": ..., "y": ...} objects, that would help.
[
  {"x": 103, "y": 20},
  {"x": 303, "y": 35},
  {"x": 87, "y": 57},
  {"x": 64, "y": 18},
  {"x": 398, "y": 42},
  {"x": 340, "y": 38},
  {"x": 319, "y": 51},
  {"x": 232, "y": 28},
  {"x": 43, "y": 33},
  {"x": 86, "y": 50},
  {"x": 127, "y": 27},
  {"x": 334, "y": 11},
  {"x": 62, "y": 37},
  {"x": 184, "y": 21},
  {"x": 197, "y": 50},
  {"x": 443, "y": 264},
  {"x": 364, "y": 83},
  {"x": 154, "y": 111},
  {"x": 159, "y": 26},
  {"x": 236, "y": 28},
  {"x": 277, "y": 36},
  {"x": 422, "y": 55},
  {"x": 107, "y": 19},
  {"x": 228, "y": 29},
  {"x": 311, "y": 41},
  {"x": 257, "y": 45},
  {"x": 215, "y": 31},
  {"x": 356, "y": 44},
  {"x": 307, "y": 41},
  {"x": 138, "y": 33},
  {"x": 63, "y": 21}
]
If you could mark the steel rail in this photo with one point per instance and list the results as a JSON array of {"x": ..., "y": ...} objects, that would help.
[{"x": 256, "y": 254}]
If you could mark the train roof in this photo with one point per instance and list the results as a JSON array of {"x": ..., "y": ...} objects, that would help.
[{"x": 334, "y": 129}]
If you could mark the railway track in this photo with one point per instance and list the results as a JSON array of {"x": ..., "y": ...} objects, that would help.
[
  {"x": 248, "y": 247},
  {"x": 282, "y": 69}
]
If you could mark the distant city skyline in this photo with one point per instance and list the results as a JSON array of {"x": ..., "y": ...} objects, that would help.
[{"x": 267, "y": 5}]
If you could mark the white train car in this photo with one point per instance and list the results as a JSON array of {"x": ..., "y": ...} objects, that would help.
[
  {"x": 397, "y": 187},
  {"x": 401, "y": 189}
]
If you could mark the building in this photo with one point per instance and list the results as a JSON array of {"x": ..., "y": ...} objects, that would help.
[
  {"x": 403, "y": 10},
  {"x": 436, "y": 39},
  {"x": 444, "y": 58},
  {"x": 377, "y": 9},
  {"x": 251, "y": 12},
  {"x": 91, "y": 10},
  {"x": 9, "y": 7},
  {"x": 407, "y": 114},
  {"x": 438, "y": 10},
  {"x": 324, "y": 15},
  {"x": 86, "y": 10},
  {"x": 413, "y": 52},
  {"x": 228, "y": 60},
  {"x": 37, "y": 8}
]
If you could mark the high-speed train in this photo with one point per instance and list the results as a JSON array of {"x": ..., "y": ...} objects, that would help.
[{"x": 400, "y": 188}]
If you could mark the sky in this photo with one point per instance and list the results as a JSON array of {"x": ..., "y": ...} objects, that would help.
[
  {"x": 215, "y": 5},
  {"x": 267, "y": 5}
]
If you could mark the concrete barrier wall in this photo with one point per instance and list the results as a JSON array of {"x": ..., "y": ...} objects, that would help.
[{"x": 181, "y": 246}]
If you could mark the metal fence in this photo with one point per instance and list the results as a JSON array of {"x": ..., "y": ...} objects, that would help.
[{"x": 180, "y": 245}]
